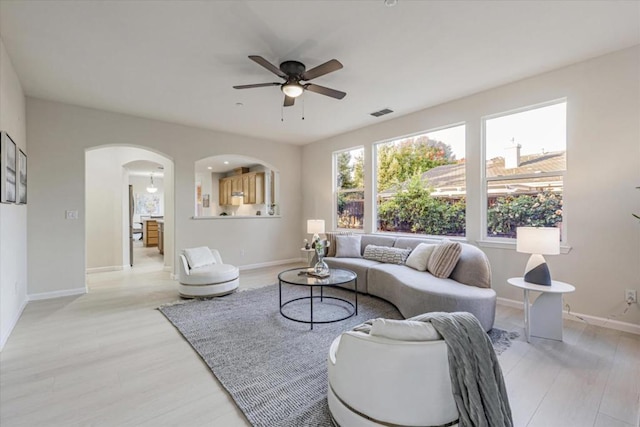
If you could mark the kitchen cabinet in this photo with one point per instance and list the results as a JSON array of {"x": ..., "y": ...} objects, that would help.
[{"x": 250, "y": 184}]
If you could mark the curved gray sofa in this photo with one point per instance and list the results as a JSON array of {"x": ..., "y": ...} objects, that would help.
[{"x": 415, "y": 292}]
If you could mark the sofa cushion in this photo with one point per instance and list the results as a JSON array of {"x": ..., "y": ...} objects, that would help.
[
  {"x": 331, "y": 239},
  {"x": 348, "y": 246},
  {"x": 414, "y": 292},
  {"x": 211, "y": 274},
  {"x": 199, "y": 257},
  {"x": 376, "y": 239},
  {"x": 404, "y": 330},
  {"x": 360, "y": 266},
  {"x": 444, "y": 259},
  {"x": 420, "y": 255},
  {"x": 413, "y": 242},
  {"x": 473, "y": 268},
  {"x": 386, "y": 254}
]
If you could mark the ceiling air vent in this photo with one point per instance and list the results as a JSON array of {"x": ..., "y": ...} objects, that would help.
[{"x": 381, "y": 112}]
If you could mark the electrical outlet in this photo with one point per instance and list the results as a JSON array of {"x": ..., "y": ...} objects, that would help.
[{"x": 630, "y": 296}]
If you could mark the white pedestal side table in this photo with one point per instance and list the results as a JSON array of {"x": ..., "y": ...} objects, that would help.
[{"x": 543, "y": 318}]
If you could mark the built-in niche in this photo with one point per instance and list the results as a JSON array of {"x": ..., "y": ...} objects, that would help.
[{"x": 234, "y": 185}]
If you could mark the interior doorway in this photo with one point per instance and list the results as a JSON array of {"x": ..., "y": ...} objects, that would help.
[
  {"x": 146, "y": 207},
  {"x": 129, "y": 209}
]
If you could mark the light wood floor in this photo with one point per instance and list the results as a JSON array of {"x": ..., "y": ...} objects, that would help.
[{"x": 109, "y": 358}]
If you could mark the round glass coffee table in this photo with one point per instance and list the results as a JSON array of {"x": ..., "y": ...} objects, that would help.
[{"x": 299, "y": 277}]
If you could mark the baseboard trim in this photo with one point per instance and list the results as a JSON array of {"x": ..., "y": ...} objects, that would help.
[
  {"x": 105, "y": 269},
  {"x": 592, "y": 320},
  {"x": 13, "y": 323},
  {"x": 57, "y": 294},
  {"x": 268, "y": 264}
]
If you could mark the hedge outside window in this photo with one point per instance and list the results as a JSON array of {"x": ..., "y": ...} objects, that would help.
[
  {"x": 421, "y": 183},
  {"x": 525, "y": 163}
]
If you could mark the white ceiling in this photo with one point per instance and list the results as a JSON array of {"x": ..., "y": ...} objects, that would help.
[
  {"x": 144, "y": 168},
  {"x": 225, "y": 163},
  {"x": 177, "y": 61}
]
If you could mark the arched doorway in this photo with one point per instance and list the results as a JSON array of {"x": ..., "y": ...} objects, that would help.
[{"x": 109, "y": 172}]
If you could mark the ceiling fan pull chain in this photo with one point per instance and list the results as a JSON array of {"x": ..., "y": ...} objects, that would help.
[
  {"x": 302, "y": 105},
  {"x": 281, "y": 113}
]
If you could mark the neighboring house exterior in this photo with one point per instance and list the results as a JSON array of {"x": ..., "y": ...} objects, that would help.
[{"x": 448, "y": 181}]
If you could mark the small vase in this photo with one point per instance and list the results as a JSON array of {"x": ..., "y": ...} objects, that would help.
[{"x": 321, "y": 267}]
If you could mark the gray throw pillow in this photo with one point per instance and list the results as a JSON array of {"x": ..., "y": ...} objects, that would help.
[
  {"x": 348, "y": 246},
  {"x": 386, "y": 254}
]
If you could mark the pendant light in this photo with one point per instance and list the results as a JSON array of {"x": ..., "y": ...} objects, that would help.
[{"x": 152, "y": 188}]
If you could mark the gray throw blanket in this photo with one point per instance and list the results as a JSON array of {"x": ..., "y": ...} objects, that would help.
[{"x": 476, "y": 378}]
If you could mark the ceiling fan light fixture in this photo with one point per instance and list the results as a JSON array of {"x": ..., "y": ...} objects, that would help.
[{"x": 292, "y": 89}]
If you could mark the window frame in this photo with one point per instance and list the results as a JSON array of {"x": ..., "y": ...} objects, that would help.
[
  {"x": 334, "y": 203},
  {"x": 491, "y": 241},
  {"x": 374, "y": 183}
]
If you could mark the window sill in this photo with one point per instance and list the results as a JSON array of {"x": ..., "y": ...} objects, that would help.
[
  {"x": 504, "y": 244},
  {"x": 236, "y": 217}
]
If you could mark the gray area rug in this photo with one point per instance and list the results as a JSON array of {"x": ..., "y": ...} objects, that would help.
[{"x": 274, "y": 368}]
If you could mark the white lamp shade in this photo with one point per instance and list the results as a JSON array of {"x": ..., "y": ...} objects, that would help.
[
  {"x": 315, "y": 226},
  {"x": 538, "y": 240}
]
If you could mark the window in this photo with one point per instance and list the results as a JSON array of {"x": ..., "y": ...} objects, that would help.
[
  {"x": 525, "y": 163},
  {"x": 349, "y": 184},
  {"x": 421, "y": 183}
]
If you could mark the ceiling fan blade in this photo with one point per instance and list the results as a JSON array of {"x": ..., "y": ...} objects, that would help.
[
  {"x": 256, "y": 85},
  {"x": 325, "y": 91},
  {"x": 268, "y": 65},
  {"x": 321, "y": 70},
  {"x": 289, "y": 101}
]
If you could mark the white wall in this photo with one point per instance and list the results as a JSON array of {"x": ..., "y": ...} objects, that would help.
[
  {"x": 107, "y": 213},
  {"x": 13, "y": 218},
  {"x": 603, "y": 125},
  {"x": 59, "y": 134},
  {"x": 205, "y": 179}
]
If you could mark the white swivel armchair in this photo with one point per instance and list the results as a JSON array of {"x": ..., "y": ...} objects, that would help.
[
  {"x": 376, "y": 381},
  {"x": 203, "y": 274}
]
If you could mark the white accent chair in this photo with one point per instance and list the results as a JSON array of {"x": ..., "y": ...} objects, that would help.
[
  {"x": 376, "y": 381},
  {"x": 203, "y": 274}
]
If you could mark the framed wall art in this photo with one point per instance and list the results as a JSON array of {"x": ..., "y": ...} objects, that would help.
[
  {"x": 22, "y": 178},
  {"x": 7, "y": 169}
]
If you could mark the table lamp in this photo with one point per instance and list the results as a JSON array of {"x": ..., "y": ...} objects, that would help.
[
  {"x": 538, "y": 241},
  {"x": 315, "y": 227}
]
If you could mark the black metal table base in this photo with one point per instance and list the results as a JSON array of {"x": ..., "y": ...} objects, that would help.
[{"x": 321, "y": 297}]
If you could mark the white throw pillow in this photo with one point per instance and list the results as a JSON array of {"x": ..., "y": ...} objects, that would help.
[
  {"x": 348, "y": 246},
  {"x": 419, "y": 257},
  {"x": 199, "y": 257},
  {"x": 404, "y": 330}
]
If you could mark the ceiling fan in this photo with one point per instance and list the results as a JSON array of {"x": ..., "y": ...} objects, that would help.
[{"x": 294, "y": 72}]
